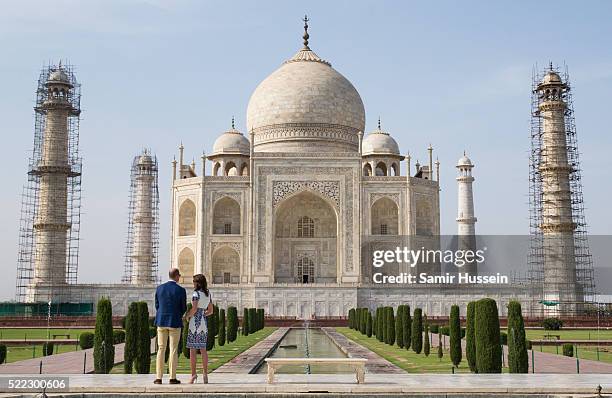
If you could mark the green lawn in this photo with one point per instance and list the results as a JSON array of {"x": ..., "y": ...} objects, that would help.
[
  {"x": 582, "y": 334},
  {"x": 21, "y": 352},
  {"x": 39, "y": 333},
  {"x": 584, "y": 352},
  {"x": 406, "y": 359},
  {"x": 218, "y": 356}
]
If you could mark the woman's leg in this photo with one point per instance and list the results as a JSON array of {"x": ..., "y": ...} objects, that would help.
[
  {"x": 193, "y": 360},
  {"x": 204, "y": 361}
]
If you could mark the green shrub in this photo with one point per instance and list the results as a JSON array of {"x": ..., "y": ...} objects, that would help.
[
  {"x": 399, "y": 327},
  {"x": 445, "y": 330},
  {"x": 552, "y": 324},
  {"x": 142, "y": 362},
  {"x": 407, "y": 326},
  {"x": 2, "y": 354},
  {"x": 123, "y": 322},
  {"x": 454, "y": 326},
  {"x": 86, "y": 340},
  {"x": 417, "y": 331},
  {"x": 232, "y": 324},
  {"x": 212, "y": 323},
  {"x": 426, "y": 347},
  {"x": 434, "y": 328},
  {"x": 184, "y": 333},
  {"x": 131, "y": 338},
  {"x": 390, "y": 326},
  {"x": 351, "y": 318},
  {"x": 221, "y": 327},
  {"x": 568, "y": 350},
  {"x": 470, "y": 338},
  {"x": 245, "y": 322},
  {"x": 528, "y": 344},
  {"x": 118, "y": 336},
  {"x": 262, "y": 318},
  {"x": 503, "y": 338},
  {"x": 369, "y": 325},
  {"x": 380, "y": 324},
  {"x": 440, "y": 351},
  {"x": 518, "y": 360},
  {"x": 104, "y": 350},
  {"x": 488, "y": 347},
  {"x": 374, "y": 323},
  {"x": 47, "y": 348},
  {"x": 252, "y": 320},
  {"x": 152, "y": 331}
]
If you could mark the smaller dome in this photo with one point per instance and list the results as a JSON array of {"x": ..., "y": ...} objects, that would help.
[
  {"x": 58, "y": 76},
  {"x": 551, "y": 77},
  {"x": 145, "y": 160},
  {"x": 379, "y": 142},
  {"x": 231, "y": 142},
  {"x": 465, "y": 161}
]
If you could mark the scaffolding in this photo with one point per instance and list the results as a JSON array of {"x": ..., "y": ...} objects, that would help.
[
  {"x": 582, "y": 286},
  {"x": 51, "y": 197},
  {"x": 142, "y": 243}
]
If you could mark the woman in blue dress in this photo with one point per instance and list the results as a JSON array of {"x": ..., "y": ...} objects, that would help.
[{"x": 198, "y": 329}]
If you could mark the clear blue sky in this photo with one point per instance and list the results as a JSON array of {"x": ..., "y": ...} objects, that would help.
[{"x": 155, "y": 73}]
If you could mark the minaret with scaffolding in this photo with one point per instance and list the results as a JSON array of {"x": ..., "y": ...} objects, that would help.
[
  {"x": 143, "y": 226},
  {"x": 50, "y": 216},
  {"x": 560, "y": 262}
]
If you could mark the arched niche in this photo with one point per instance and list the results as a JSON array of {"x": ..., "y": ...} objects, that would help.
[
  {"x": 384, "y": 217},
  {"x": 187, "y": 218},
  {"x": 186, "y": 266},
  {"x": 226, "y": 265},
  {"x": 226, "y": 217}
]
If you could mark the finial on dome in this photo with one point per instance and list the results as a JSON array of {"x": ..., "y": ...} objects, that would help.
[
  {"x": 550, "y": 66},
  {"x": 306, "y": 35},
  {"x": 233, "y": 126},
  {"x": 379, "y": 123}
]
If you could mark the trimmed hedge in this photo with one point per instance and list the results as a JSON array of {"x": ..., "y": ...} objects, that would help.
[
  {"x": 86, "y": 340},
  {"x": 131, "y": 338},
  {"x": 568, "y": 350},
  {"x": 454, "y": 326},
  {"x": 470, "y": 338},
  {"x": 232, "y": 324},
  {"x": 245, "y": 321},
  {"x": 426, "y": 346},
  {"x": 488, "y": 347},
  {"x": 351, "y": 318},
  {"x": 221, "y": 327},
  {"x": 369, "y": 324},
  {"x": 261, "y": 317},
  {"x": 252, "y": 320},
  {"x": 503, "y": 338},
  {"x": 518, "y": 360},
  {"x": 440, "y": 352},
  {"x": 184, "y": 333},
  {"x": 407, "y": 326},
  {"x": 399, "y": 327},
  {"x": 47, "y": 348},
  {"x": 552, "y": 324},
  {"x": 2, "y": 354},
  {"x": 104, "y": 350},
  {"x": 417, "y": 331},
  {"x": 380, "y": 324},
  {"x": 142, "y": 361},
  {"x": 390, "y": 326},
  {"x": 118, "y": 336},
  {"x": 434, "y": 328}
]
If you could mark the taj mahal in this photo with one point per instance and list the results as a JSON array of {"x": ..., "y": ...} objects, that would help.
[{"x": 284, "y": 215}]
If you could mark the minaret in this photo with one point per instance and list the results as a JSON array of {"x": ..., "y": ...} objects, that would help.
[
  {"x": 466, "y": 231},
  {"x": 141, "y": 261},
  {"x": 557, "y": 225},
  {"x": 52, "y": 224}
]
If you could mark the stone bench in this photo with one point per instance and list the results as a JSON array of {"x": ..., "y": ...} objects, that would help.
[{"x": 358, "y": 364}]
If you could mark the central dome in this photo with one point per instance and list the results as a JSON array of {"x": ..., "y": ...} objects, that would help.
[{"x": 305, "y": 106}]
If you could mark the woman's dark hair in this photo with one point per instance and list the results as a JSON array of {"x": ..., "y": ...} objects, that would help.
[{"x": 200, "y": 283}]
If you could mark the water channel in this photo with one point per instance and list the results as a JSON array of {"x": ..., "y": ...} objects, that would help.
[{"x": 307, "y": 343}]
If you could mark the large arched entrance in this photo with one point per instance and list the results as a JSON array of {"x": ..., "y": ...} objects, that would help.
[
  {"x": 226, "y": 265},
  {"x": 305, "y": 240}
]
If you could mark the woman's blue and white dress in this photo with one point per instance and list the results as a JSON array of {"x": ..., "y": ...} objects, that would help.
[{"x": 198, "y": 329}]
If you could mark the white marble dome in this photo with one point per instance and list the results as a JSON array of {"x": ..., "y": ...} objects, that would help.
[
  {"x": 464, "y": 161},
  {"x": 231, "y": 142},
  {"x": 379, "y": 142},
  {"x": 551, "y": 77},
  {"x": 304, "y": 104}
]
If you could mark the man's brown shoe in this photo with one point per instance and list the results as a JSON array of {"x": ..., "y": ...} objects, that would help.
[
  {"x": 174, "y": 381},
  {"x": 157, "y": 381}
]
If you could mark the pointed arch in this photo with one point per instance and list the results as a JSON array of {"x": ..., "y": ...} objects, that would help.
[
  {"x": 384, "y": 217},
  {"x": 226, "y": 265},
  {"x": 226, "y": 217},
  {"x": 187, "y": 218},
  {"x": 367, "y": 169},
  {"x": 186, "y": 265},
  {"x": 381, "y": 169}
]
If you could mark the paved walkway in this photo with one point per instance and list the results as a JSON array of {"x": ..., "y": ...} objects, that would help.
[
  {"x": 405, "y": 384},
  {"x": 376, "y": 363},
  {"x": 250, "y": 359},
  {"x": 65, "y": 363},
  {"x": 544, "y": 362}
]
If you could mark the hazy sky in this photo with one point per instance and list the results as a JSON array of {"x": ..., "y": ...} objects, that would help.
[{"x": 155, "y": 73}]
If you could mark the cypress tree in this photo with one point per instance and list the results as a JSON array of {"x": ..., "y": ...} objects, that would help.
[
  {"x": 454, "y": 326},
  {"x": 407, "y": 321},
  {"x": 417, "y": 331},
  {"x": 380, "y": 324},
  {"x": 440, "y": 352},
  {"x": 470, "y": 338},
  {"x": 518, "y": 361},
  {"x": 399, "y": 327},
  {"x": 232, "y": 324},
  {"x": 104, "y": 350},
  {"x": 143, "y": 352},
  {"x": 426, "y": 346},
  {"x": 245, "y": 322},
  {"x": 369, "y": 324},
  {"x": 222, "y": 327},
  {"x": 252, "y": 320},
  {"x": 212, "y": 323},
  {"x": 351, "y": 318},
  {"x": 131, "y": 338},
  {"x": 390, "y": 326},
  {"x": 374, "y": 323},
  {"x": 185, "y": 332},
  {"x": 488, "y": 347},
  {"x": 262, "y": 318}
]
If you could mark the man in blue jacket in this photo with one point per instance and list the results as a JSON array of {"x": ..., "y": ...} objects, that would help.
[{"x": 170, "y": 304}]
